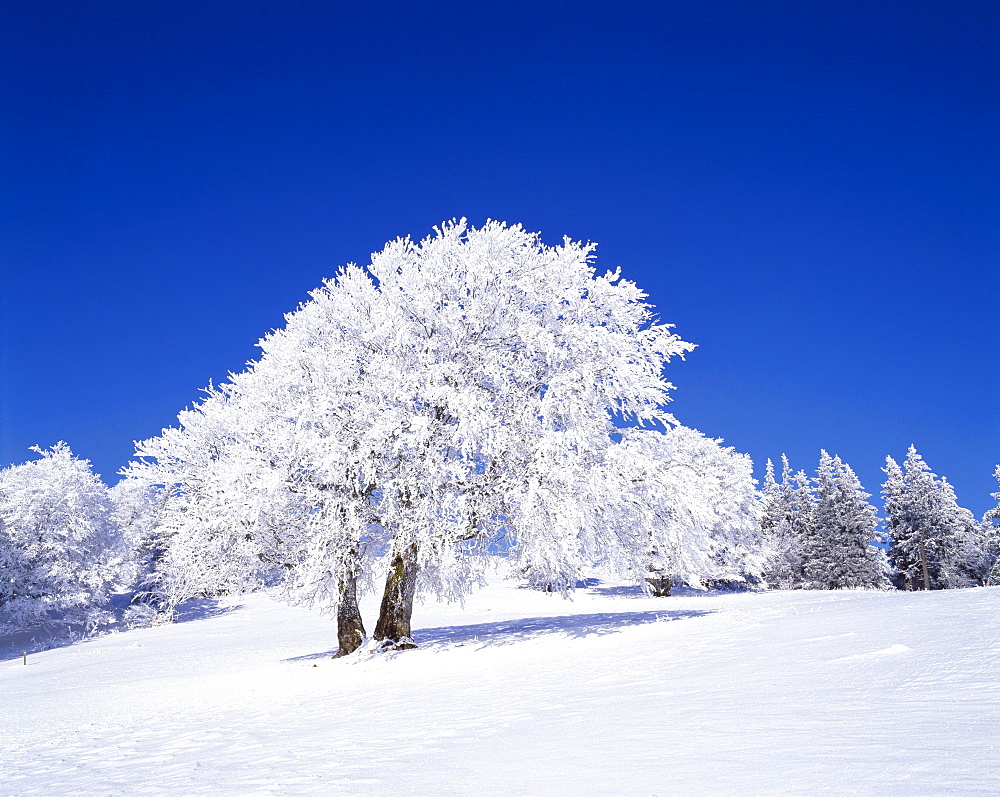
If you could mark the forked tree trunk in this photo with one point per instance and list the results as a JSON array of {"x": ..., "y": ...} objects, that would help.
[
  {"x": 350, "y": 628},
  {"x": 393, "y": 627},
  {"x": 660, "y": 586}
]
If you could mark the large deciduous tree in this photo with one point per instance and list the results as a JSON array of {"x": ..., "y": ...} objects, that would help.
[
  {"x": 458, "y": 390},
  {"x": 59, "y": 546}
]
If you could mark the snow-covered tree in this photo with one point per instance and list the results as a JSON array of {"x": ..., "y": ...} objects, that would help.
[
  {"x": 216, "y": 505},
  {"x": 838, "y": 549},
  {"x": 991, "y": 534},
  {"x": 784, "y": 520},
  {"x": 59, "y": 547},
  {"x": 964, "y": 563},
  {"x": 693, "y": 504},
  {"x": 137, "y": 508},
  {"x": 935, "y": 543},
  {"x": 456, "y": 390}
]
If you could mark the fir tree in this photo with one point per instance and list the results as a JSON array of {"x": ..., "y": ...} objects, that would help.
[
  {"x": 783, "y": 525},
  {"x": 935, "y": 543},
  {"x": 991, "y": 534},
  {"x": 839, "y": 553},
  {"x": 963, "y": 563}
]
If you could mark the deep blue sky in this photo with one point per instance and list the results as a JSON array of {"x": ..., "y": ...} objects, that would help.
[{"x": 807, "y": 190}]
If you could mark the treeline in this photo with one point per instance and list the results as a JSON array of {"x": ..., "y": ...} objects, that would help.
[
  {"x": 824, "y": 534},
  {"x": 471, "y": 395}
]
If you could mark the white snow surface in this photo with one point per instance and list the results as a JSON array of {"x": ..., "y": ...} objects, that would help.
[{"x": 523, "y": 693}]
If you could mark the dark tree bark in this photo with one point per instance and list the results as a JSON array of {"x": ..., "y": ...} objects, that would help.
[
  {"x": 350, "y": 628},
  {"x": 923, "y": 564},
  {"x": 393, "y": 627},
  {"x": 660, "y": 586}
]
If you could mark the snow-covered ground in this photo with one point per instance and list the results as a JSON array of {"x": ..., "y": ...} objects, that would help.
[{"x": 521, "y": 692}]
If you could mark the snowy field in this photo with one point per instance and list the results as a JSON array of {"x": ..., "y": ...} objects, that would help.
[{"x": 523, "y": 693}]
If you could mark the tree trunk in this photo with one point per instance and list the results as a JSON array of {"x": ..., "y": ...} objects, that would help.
[
  {"x": 393, "y": 627},
  {"x": 923, "y": 563},
  {"x": 660, "y": 586},
  {"x": 350, "y": 628}
]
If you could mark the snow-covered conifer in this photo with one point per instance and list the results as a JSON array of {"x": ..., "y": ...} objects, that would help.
[
  {"x": 991, "y": 534},
  {"x": 785, "y": 519},
  {"x": 935, "y": 543},
  {"x": 839, "y": 551},
  {"x": 965, "y": 561},
  {"x": 59, "y": 547}
]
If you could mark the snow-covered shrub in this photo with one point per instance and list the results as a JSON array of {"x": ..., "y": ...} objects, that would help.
[{"x": 692, "y": 505}]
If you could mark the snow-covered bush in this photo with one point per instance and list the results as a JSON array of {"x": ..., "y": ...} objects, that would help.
[{"x": 59, "y": 547}]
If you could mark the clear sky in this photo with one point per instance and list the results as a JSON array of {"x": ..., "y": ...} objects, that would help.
[{"x": 808, "y": 190}]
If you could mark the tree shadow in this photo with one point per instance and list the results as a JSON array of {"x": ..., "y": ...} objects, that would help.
[
  {"x": 201, "y": 609},
  {"x": 636, "y": 591},
  {"x": 584, "y": 583},
  {"x": 509, "y": 632},
  {"x": 619, "y": 591},
  {"x": 43, "y": 636},
  {"x": 571, "y": 625}
]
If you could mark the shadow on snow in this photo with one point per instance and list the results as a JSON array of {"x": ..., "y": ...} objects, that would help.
[
  {"x": 511, "y": 631},
  {"x": 572, "y": 625},
  {"x": 201, "y": 609}
]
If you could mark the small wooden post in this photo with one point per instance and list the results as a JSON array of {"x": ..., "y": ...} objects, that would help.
[{"x": 24, "y": 655}]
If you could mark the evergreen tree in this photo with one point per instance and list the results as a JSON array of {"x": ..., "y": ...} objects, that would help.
[
  {"x": 770, "y": 500},
  {"x": 935, "y": 543},
  {"x": 963, "y": 563},
  {"x": 783, "y": 526},
  {"x": 839, "y": 553},
  {"x": 894, "y": 497},
  {"x": 991, "y": 534}
]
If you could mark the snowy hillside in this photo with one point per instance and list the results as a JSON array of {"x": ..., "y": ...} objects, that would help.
[{"x": 521, "y": 692}]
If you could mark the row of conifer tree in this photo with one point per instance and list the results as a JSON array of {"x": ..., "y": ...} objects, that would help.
[{"x": 825, "y": 534}]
